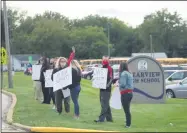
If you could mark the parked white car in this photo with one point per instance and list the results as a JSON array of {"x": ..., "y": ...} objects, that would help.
[
  {"x": 176, "y": 77},
  {"x": 178, "y": 90}
]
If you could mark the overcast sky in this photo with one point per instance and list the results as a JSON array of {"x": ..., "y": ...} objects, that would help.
[{"x": 131, "y": 12}]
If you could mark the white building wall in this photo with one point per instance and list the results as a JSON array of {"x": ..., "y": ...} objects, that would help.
[{"x": 16, "y": 65}]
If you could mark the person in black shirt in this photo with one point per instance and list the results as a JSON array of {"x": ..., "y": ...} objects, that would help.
[
  {"x": 51, "y": 93},
  {"x": 45, "y": 66},
  {"x": 75, "y": 87}
]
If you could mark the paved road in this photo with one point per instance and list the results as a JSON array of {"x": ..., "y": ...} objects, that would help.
[{"x": 5, "y": 105}]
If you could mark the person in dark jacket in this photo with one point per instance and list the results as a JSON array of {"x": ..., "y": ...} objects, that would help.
[
  {"x": 51, "y": 93},
  {"x": 61, "y": 64},
  {"x": 45, "y": 66},
  {"x": 105, "y": 94},
  {"x": 75, "y": 87}
]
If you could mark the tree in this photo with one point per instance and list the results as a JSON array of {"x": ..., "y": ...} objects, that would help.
[
  {"x": 50, "y": 36},
  {"x": 90, "y": 41},
  {"x": 54, "y": 34},
  {"x": 166, "y": 30}
]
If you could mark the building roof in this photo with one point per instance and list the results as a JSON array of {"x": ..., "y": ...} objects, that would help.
[
  {"x": 25, "y": 57},
  {"x": 155, "y": 55}
]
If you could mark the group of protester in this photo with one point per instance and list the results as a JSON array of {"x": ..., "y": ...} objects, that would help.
[{"x": 125, "y": 84}]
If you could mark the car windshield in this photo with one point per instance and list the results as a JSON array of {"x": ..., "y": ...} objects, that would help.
[
  {"x": 167, "y": 74},
  {"x": 184, "y": 81}
]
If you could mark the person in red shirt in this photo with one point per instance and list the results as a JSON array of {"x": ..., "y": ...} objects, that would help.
[{"x": 105, "y": 94}]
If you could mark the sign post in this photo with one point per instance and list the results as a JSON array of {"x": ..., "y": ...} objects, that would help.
[
  {"x": 10, "y": 81},
  {"x": 148, "y": 79}
]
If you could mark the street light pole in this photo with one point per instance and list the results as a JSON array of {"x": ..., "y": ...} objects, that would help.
[
  {"x": 151, "y": 45},
  {"x": 108, "y": 25},
  {"x": 10, "y": 81}
]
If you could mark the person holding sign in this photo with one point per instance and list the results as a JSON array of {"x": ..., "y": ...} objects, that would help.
[
  {"x": 51, "y": 93},
  {"x": 45, "y": 66},
  {"x": 126, "y": 89},
  {"x": 38, "y": 87},
  {"x": 75, "y": 86},
  {"x": 105, "y": 94},
  {"x": 61, "y": 64}
]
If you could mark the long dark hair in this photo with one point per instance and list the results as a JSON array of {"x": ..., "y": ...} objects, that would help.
[
  {"x": 123, "y": 67},
  {"x": 45, "y": 62}
]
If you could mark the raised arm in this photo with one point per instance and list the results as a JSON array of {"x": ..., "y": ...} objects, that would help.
[{"x": 72, "y": 55}]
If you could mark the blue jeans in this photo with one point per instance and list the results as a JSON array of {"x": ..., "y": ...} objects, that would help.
[{"x": 74, "y": 96}]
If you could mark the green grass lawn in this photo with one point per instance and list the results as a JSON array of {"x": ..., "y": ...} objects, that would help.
[{"x": 148, "y": 117}]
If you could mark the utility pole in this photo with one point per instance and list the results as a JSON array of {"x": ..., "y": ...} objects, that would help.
[
  {"x": 1, "y": 74},
  {"x": 10, "y": 81},
  {"x": 108, "y": 25},
  {"x": 151, "y": 45}
]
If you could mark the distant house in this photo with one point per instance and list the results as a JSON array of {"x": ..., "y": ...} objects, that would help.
[
  {"x": 20, "y": 61},
  {"x": 155, "y": 55}
]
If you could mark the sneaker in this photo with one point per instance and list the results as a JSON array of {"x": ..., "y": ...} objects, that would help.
[
  {"x": 54, "y": 107},
  {"x": 109, "y": 120},
  {"x": 127, "y": 126},
  {"x": 98, "y": 121},
  {"x": 76, "y": 117},
  {"x": 59, "y": 113}
]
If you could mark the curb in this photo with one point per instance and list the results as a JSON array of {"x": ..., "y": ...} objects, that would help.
[
  {"x": 38, "y": 129},
  {"x": 61, "y": 129},
  {"x": 11, "y": 111}
]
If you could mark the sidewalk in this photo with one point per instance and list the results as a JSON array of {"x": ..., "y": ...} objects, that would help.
[{"x": 5, "y": 106}]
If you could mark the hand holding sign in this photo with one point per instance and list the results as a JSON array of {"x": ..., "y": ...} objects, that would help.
[
  {"x": 73, "y": 49},
  {"x": 116, "y": 84}
]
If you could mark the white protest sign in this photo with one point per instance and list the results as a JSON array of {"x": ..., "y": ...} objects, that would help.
[
  {"x": 66, "y": 92},
  {"x": 62, "y": 78},
  {"x": 36, "y": 72},
  {"x": 100, "y": 78},
  {"x": 115, "y": 100},
  {"x": 48, "y": 81}
]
